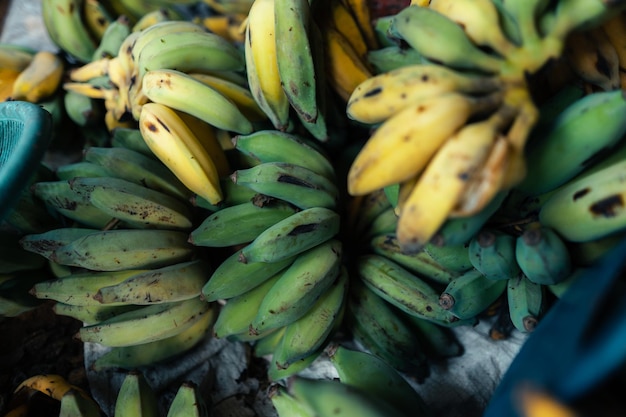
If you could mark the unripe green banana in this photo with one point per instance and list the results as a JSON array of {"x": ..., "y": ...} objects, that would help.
[
  {"x": 368, "y": 208},
  {"x": 80, "y": 169},
  {"x": 470, "y": 294},
  {"x": 543, "y": 256},
  {"x": 579, "y": 15},
  {"x": 145, "y": 324},
  {"x": 188, "y": 402},
  {"x": 289, "y": 182},
  {"x": 526, "y": 301},
  {"x": 586, "y": 129},
  {"x": 81, "y": 109},
  {"x": 233, "y": 194},
  {"x": 383, "y": 224},
  {"x": 299, "y": 287},
  {"x": 251, "y": 219},
  {"x": 130, "y": 138},
  {"x": 492, "y": 253},
  {"x": 277, "y": 146},
  {"x": 452, "y": 257},
  {"x": 439, "y": 39},
  {"x": 420, "y": 263},
  {"x": 176, "y": 282},
  {"x": 277, "y": 374},
  {"x": 232, "y": 277},
  {"x": 46, "y": 243},
  {"x": 163, "y": 350},
  {"x": 136, "y": 398},
  {"x": 392, "y": 57},
  {"x": 285, "y": 404},
  {"x": 438, "y": 342},
  {"x": 376, "y": 377},
  {"x": 266, "y": 345},
  {"x": 112, "y": 38},
  {"x": 589, "y": 207},
  {"x": 74, "y": 403},
  {"x": 134, "y": 204},
  {"x": 90, "y": 314},
  {"x": 297, "y": 233},
  {"x": 116, "y": 250}
]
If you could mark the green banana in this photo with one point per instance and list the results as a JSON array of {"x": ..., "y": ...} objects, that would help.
[
  {"x": 526, "y": 301},
  {"x": 80, "y": 169},
  {"x": 238, "y": 312},
  {"x": 90, "y": 314},
  {"x": 293, "y": 183},
  {"x": 145, "y": 324},
  {"x": 439, "y": 39},
  {"x": 492, "y": 253},
  {"x": 299, "y": 287},
  {"x": 188, "y": 402},
  {"x": 159, "y": 29},
  {"x": 75, "y": 403},
  {"x": 585, "y": 130},
  {"x": 275, "y": 373},
  {"x": 420, "y": 263},
  {"x": 115, "y": 250},
  {"x": 130, "y": 138},
  {"x": 579, "y": 15},
  {"x": 438, "y": 342},
  {"x": 133, "y": 203},
  {"x": 81, "y": 109},
  {"x": 134, "y": 166},
  {"x": 404, "y": 289},
  {"x": 285, "y": 404},
  {"x": 79, "y": 289},
  {"x": 159, "y": 351},
  {"x": 452, "y": 257},
  {"x": 266, "y": 345},
  {"x": 232, "y": 277},
  {"x": 377, "y": 378},
  {"x": 46, "y": 243},
  {"x": 66, "y": 28},
  {"x": 470, "y": 294},
  {"x": 251, "y": 219},
  {"x": 177, "y": 282},
  {"x": 112, "y": 38},
  {"x": 332, "y": 398},
  {"x": 14, "y": 258},
  {"x": 136, "y": 398},
  {"x": 369, "y": 208},
  {"x": 543, "y": 256},
  {"x": 383, "y": 224},
  {"x": 295, "y": 234},
  {"x": 392, "y": 57},
  {"x": 276, "y": 146},
  {"x": 559, "y": 289},
  {"x": 589, "y": 207},
  {"x": 305, "y": 336}
]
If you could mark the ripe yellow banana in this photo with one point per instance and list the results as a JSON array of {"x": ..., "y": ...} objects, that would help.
[
  {"x": 180, "y": 150},
  {"x": 7, "y": 78},
  {"x": 53, "y": 385},
  {"x": 345, "y": 22},
  {"x": 40, "y": 79},
  {"x": 360, "y": 9}
]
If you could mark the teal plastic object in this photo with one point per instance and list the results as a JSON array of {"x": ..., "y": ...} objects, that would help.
[{"x": 25, "y": 133}]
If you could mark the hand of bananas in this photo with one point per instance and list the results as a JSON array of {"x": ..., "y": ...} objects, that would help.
[{"x": 292, "y": 173}]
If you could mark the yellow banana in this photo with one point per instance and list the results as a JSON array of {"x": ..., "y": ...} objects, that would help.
[
  {"x": 40, "y": 79},
  {"x": 7, "y": 78},
  {"x": 403, "y": 145},
  {"x": 344, "y": 22},
  {"x": 53, "y": 385},
  {"x": 443, "y": 181},
  {"x": 96, "y": 18},
  {"x": 361, "y": 11},
  {"x": 14, "y": 57},
  {"x": 91, "y": 70},
  {"x": 180, "y": 150}
]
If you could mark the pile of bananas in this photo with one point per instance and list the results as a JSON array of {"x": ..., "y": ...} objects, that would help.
[{"x": 288, "y": 174}]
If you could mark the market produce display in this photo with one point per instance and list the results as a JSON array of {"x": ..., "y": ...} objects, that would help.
[{"x": 312, "y": 180}]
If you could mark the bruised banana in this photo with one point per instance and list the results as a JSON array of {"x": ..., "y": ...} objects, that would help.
[
  {"x": 470, "y": 294},
  {"x": 45, "y": 243}
]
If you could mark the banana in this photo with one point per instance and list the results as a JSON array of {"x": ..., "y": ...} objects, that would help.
[
  {"x": 188, "y": 401},
  {"x": 493, "y": 254},
  {"x": 292, "y": 183},
  {"x": 615, "y": 30},
  {"x": 251, "y": 219},
  {"x": 440, "y": 39},
  {"x": 392, "y": 57},
  {"x": 543, "y": 256},
  {"x": 53, "y": 385},
  {"x": 236, "y": 315},
  {"x": 45, "y": 243},
  {"x": 366, "y": 208},
  {"x": 79, "y": 289},
  {"x": 232, "y": 277},
  {"x": 96, "y": 18},
  {"x": 131, "y": 138},
  {"x": 71, "y": 170},
  {"x": 440, "y": 189},
  {"x": 14, "y": 258},
  {"x": 133, "y": 166},
  {"x": 233, "y": 194},
  {"x": 89, "y": 314},
  {"x": 454, "y": 258},
  {"x": 564, "y": 150},
  {"x": 266, "y": 345},
  {"x": 260, "y": 50},
  {"x": 159, "y": 351},
  {"x": 145, "y": 324},
  {"x": 593, "y": 58},
  {"x": 471, "y": 294},
  {"x": 82, "y": 110},
  {"x": 333, "y": 398},
  {"x": 275, "y": 146},
  {"x": 14, "y": 57},
  {"x": 526, "y": 302},
  {"x": 162, "y": 14},
  {"x": 420, "y": 263},
  {"x": 136, "y": 397},
  {"x": 292, "y": 19},
  {"x": 228, "y": 7},
  {"x": 115, "y": 250},
  {"x": 305, "y": 336},
  {"x": 134, "y": 204},
  {"x": 376, "y": 377},
  {"x": 171, "y": 283},
  {"x": 299, "y": 287},
  {"x": 383, "y": 224},
  {"x": 170, "y": 87},
  {"x": 277, "y": 374},
  {"x": 342, "y": 19},
  {"x": 403, "y": 289},
  {"x": 345, "y": 69},
  {"x": 285, "y": 404},
  {"x": 383, "y": 95},
  {"x": 578, "y": 15},
  {"x": 438, "y": 342},
  {"x": 363, "y": 15},
  {"x": 404, "y": 144},
  {"x": 66, "y": 28},
  {"x": 295, "y": 234},
  {"x": 40, "y": 79},
  {"x": 180, "y": 150},
  {"x": 592, "y": 206},
  {"x": 75, "y": 403}
]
